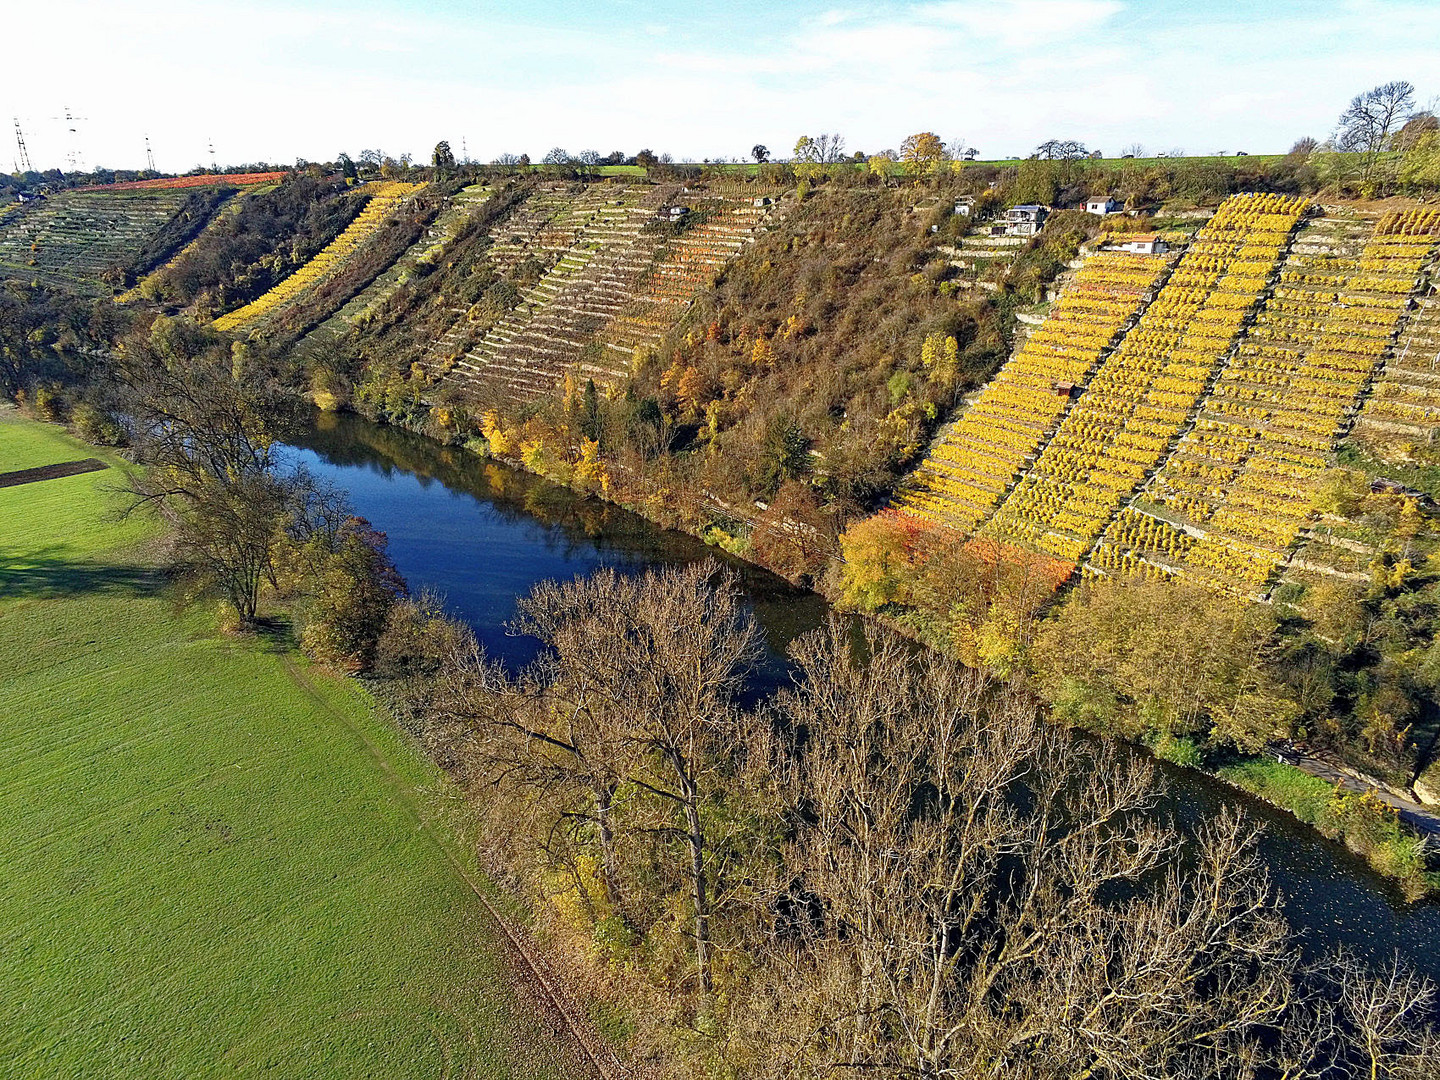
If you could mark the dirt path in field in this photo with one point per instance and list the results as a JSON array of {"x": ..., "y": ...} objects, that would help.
[
  {"x": 51, "y": 472},
  {"x": 596, "y": 1060}
]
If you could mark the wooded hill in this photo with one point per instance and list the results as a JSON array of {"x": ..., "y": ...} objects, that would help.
[{"x": 867, "y": 380}]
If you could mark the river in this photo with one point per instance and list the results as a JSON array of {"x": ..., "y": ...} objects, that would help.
[{"x": 482, "y": 535}]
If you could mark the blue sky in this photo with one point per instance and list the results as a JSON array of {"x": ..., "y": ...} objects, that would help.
[{"x": 281, "y": 79}]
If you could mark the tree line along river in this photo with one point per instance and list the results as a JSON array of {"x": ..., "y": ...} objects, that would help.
[{"x": 482, "y": 534}]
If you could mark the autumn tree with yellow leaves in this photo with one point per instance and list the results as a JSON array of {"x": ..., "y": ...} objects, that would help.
[{"x": 923, "y": 153}]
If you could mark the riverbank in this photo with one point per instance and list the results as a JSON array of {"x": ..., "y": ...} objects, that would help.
[
  {"x": 1361, "y": 817},
  {"x": 1406, "y": 868},
  {"x": 218, "y": 857}
]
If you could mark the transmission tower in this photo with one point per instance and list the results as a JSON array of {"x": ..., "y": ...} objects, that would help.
[
  {"x": 73, "y": 157},
  {"x": 149, "y": 155},
  {"x": 22, "y": 158},
  {"x": 214, "y": 165},
  {"x": 464, "y": 153}
]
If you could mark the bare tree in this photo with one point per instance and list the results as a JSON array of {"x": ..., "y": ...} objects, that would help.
[
  {"x": 830, "y": 147},
  {"x": 200, "y": 409},
  {"x": 203, "y": 414},
  {"x": 972, "y": 894},
  {"x": 913, "y": 788},
  {"x": 635, "y": 689},
  {"x": 1061, "y": 150},
  {"x": 1384, "y": 1014},
  {"x": 549, "y": 733},
  {"x": 1366, "y": 125},
  {"x": 897, "y": 868}
]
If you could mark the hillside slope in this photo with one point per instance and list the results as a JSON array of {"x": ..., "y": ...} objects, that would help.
[
  {"x": 76, "y": 238},
  {"x": 1195, "y": 446}
]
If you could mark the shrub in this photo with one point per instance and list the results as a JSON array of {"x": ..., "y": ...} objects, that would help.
[
  {"x": 1178, "y": 750},
  {"x": 94, "y": 425},
  {"x": 1367, "y": 825},
  {"x": 49, "y": 405},
  {"x": 358, "y": 586}
]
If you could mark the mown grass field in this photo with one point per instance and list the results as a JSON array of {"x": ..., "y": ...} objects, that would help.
[{"x": 213, "y": 858}]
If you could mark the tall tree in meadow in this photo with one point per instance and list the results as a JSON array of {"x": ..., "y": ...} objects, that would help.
[
  {"x": 1366, "y": 125},
  {"x": 204, "y": 414},
  {"x": 923, "y": 153}
]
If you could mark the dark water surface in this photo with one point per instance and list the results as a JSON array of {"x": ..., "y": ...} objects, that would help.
[{"x": 482, "y": 535}]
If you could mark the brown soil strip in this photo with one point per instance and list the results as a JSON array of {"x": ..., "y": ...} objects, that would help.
[{"x": 51, "y": 472}]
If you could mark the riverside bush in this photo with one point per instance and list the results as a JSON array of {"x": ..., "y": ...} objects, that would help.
[{"x": 1368, "y": 826}]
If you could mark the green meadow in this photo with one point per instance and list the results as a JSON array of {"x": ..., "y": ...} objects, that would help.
[{"x": 216, "y": 860}]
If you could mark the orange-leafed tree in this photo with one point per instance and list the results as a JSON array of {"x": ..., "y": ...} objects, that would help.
[{"x": 880, "y": 555}]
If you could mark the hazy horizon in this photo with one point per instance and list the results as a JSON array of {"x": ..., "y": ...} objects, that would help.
[{"x": 286, "y": 79}]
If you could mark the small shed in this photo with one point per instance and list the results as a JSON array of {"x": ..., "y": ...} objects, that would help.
[
  {"x": 1102, "y": 205},
  {"x": 675, "y": 213},
  {"x": 1025, "y": 220},
  {"x": 965, "y": 205},
  {"x": 761, "y": 200},
  {"x": 1063, "y": 389},
  {"x": 1144, "y": 244}
]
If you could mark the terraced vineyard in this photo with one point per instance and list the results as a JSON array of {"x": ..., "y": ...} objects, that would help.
[
  {"x": 687, "y": 264},
  {"x": 614, "y": 277},
  {"x": 973, "y": 464},
  {"x": 1234, "y": 498},
  {"x": 1404, "y": 410},
  {"x": 430, "y": 248},
  {"x": 1144, "y": 394},
  {"x": 73, "y": 238},
  {"x": 1194, "y": 447},
  {"x": 385, "y": 197}
]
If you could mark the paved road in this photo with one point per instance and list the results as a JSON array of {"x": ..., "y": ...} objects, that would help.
[{"x": 1417, "y": 815}]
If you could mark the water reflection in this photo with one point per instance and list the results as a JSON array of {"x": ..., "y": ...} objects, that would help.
[{"x": 483, "y": 535}]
